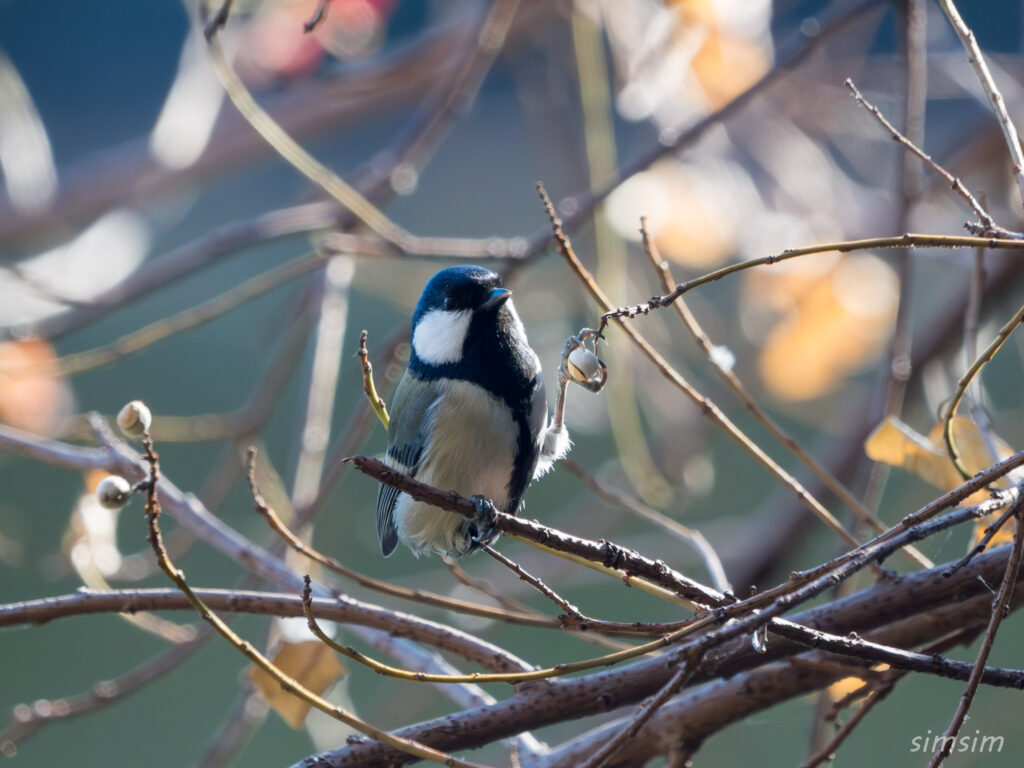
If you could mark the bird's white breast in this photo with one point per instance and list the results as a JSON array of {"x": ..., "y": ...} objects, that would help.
[
  {"x": 471, "y": 451},
  {"x": 439, "y": 336}
]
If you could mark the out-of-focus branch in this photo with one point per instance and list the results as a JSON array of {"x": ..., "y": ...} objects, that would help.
[
  {"x": 314, "y": 431},
  {"x": 130, "y": 173},
  {"x": 184, "y": 320},
  {"x": 27, "y": 719},
  {"x": 322, "y": 176},
  {"x": 692, "y": 537}
]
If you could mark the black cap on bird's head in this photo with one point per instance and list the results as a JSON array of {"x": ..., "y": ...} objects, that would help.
[
  {"x": 461, "y": 308},
  {"x": 462, "y": 288}
]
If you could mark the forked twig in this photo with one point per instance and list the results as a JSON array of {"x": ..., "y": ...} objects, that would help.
[
  {"x": 707, "y": 407},
  {"x": 999, "y": 611},
  {"x": 829, "y": 480},
  {"x": 570, "y": 613},
  {"x": 988, "y": 224},
  {"x": 607, "y": 751},
  {"x": 988, "y": 83},
  {"x": 177, "y": 576},
  {"x": 965, "y": 381}
]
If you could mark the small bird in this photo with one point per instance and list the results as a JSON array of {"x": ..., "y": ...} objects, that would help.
[{"x": 470, "y": 415}]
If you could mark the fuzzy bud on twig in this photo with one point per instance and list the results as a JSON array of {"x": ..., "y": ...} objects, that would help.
[
  {"x": 134, "y": 419},
  {"x": 113, "y": 492}
]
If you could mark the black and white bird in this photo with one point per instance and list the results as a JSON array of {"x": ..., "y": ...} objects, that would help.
[{"x": 470, "y": 414}]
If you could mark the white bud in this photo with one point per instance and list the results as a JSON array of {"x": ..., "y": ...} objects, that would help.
[
  {"x": 113, "y": 492},
  {"x": 134, "y": 419},
  {"x": 583, "y": 365}
]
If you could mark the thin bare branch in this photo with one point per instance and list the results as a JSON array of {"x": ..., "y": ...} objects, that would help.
[
  {"x": 1000, "y": 609},
  {"x": 827, "y": 478},
  {"x": 977, "y": 60},
  {"x": 987, "y": 223},
  {"x": 706, "y": 406}
]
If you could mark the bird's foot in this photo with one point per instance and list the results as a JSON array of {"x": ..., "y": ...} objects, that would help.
[
  {"x": 481, "y": 528},
  {"x": 582, "y": 365}
]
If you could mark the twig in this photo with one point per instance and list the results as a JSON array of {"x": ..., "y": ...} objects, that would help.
[
  {"x": 965, "y": 381},
  {"x": 415, "y": 595},
  {"x": 571, "y": 615},
  {"x": 876, "y": 693},
  {"x": 954, "y": 182},
  {"x": 318, "y": 173},
  {"x": 511, "y": 678},
  {"x": 706, "y": 406},
  {"x": 622, "y": 403},
  {"x": 644, "y": 585},
  {"x": 692, "y": 537},
  {"x": 977, "y": 60},
  {"x": 693, "y": 716},
  {"x": 351, "y": 437},
  {"x": 1000, "y": 609},
  {"x": 827, "y": 752},
  {"x": 217, "y": 21},
  {"x": 827, "y": 478},
  {"x": 990, "y": 532},
  {"x": 187, "y": 319},
  {"x": 318, "y": 16},
  {"x": 376, "y": 401},
  {"x": 755, "y": 611},
  {"x": 605, "y": 552},
  {"x": 610, "y": 747},
  {"x": 972, "y": 312},
  {"x": 908, "y": 240},
  {"x": 249, "y": 651},
  {"x": 484, "y": 588}
]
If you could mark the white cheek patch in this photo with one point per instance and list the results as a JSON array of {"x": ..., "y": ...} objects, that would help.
[{"x": 439, "y": 336}]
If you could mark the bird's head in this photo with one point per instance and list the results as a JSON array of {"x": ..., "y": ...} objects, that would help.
[{"x": 457, "y": 303}]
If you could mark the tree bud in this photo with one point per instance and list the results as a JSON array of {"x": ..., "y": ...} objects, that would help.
[
  {"x": 113, "y": 492},
  {"x": 134, "y": 419}
]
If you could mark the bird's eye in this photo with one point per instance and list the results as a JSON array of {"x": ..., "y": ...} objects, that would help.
[{"x": 448, "y": 303}]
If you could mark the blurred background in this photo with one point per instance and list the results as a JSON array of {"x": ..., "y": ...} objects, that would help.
[{"x": 122, "y": 158}]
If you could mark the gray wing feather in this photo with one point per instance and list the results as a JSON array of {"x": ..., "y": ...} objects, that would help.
[{"x": 406, "y": 441}]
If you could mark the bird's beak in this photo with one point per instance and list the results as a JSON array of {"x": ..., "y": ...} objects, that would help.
[{"x": 498, "y": 297}]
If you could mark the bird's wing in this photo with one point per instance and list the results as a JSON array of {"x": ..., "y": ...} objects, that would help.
[{"x": 405, "y": 448}]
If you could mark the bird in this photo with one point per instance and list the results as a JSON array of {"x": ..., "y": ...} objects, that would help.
[{"x": 470, "y": 414}]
